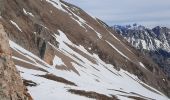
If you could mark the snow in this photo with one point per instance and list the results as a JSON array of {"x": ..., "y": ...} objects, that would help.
[
  {"x": 142, "y": 65},
  {"x": 117, "y": 50},
  {"x": 81, "y": 21},
  {"x": 52, "y": 90},
  {"x": 16, "y": 58},
  {"x": 28, "y": 13},
  {"x": 57, "y": 61},
  {"x": 75, "y": 17},
  {"x": 114, "y": 36},
  {"x": 147, "y": 41},
  {"x": 81, "y": 24},
  {"x": 27, "y": 54},
  {"x": 62, "y": 39},
  {"x": 30, "y": 71},
  {"x": 35, "y": 33},
  {"x": 57, "y": 4},
  {"x": 98, "y": 34},
  {"x": 162, "y": 45},
  {"x": 48, "y": 89},
  {"x": 119, "y": 41},
  {"x": 89, "y": 48},
  {"x": 144, "y": 45},
  {"x": 15, "y": 24}
]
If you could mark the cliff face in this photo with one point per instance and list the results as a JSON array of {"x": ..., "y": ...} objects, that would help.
[{"x": 11, "y": 85}]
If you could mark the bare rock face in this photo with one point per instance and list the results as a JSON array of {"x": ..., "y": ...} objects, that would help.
[{"x": 11, "y": 85}]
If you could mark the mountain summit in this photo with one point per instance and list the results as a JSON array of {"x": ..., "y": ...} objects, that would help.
[{"x": 63, "y": 53}]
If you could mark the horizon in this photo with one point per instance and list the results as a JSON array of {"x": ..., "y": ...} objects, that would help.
[{"x": 149, "y": 13}]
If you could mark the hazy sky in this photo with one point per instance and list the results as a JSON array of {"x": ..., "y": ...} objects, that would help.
[{"x": 145, "y": 12}]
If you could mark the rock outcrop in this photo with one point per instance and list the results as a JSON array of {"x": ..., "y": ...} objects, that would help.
[{"x": 11, "y": 85}]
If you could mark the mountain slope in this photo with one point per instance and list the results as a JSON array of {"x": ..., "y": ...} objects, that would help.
[
  {"x": 47, "y": 82},
  {"x": 155, "y": 42},
  {"x": 63, "y": 53}
]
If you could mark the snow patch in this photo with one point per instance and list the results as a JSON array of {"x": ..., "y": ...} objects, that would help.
[
  {"x": 57, "y": 4},
  {"x": 28, "y": 13},
  {"x": 89, "y": 73},
  {"x": 98, "y": 34},
  {"x": 117, "y": 50},
  {"x": 144, "y": 45},
  {"x": 57, "y": 61},
  {"x": 141, "y": 64},
  {"x": 15, "y": 24},
  {"x": 113, "y": 36}
]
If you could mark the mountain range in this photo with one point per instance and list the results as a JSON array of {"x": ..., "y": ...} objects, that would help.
[{"x": 154, "y": 42}]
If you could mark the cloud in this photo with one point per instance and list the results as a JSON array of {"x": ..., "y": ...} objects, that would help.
[{"x": 147, "y": 12}]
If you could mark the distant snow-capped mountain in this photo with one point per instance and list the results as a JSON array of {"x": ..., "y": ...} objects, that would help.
[
  {"x": 145, "y": 38},
  {"x": 155, "y": 41}
]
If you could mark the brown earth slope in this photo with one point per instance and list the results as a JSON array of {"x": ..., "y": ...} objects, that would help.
[{"x": 38, "y": 20}]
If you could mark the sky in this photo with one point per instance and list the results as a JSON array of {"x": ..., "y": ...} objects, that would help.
[{"x": 150, "y": 13}]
